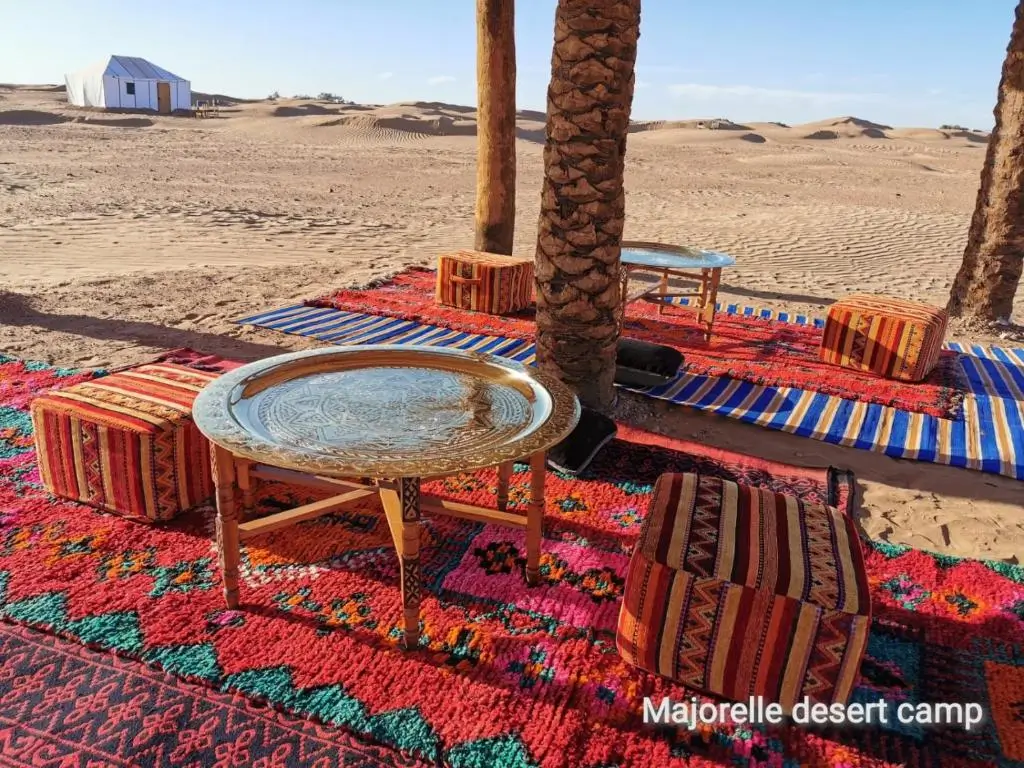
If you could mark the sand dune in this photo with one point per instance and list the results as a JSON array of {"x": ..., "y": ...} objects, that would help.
[
  {"x": 869, "y": 133},
  {"x": 710, "y": 124},
  {"x": 439, "y": 107},
  {"x": 414, "y": 124},
  {"x": 222, "y": 99},
  {"x": 843, "y": 128},
  {"x": 116, "y": 243},
  {"x": 414, "y": 121},
  {"x": 303, "y": 110},
  {"x": 847, "y": 122},
  {"x": 361, "y": 124},
  {"x": 973, "y": 136},
  {"x": 28, "y": 117},
  {"x": 31, "y": 117},
  {"x": 27, "y": 89}
]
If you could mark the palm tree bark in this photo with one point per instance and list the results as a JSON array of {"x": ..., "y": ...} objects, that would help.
[
  {"x": 579, "y": 307},
  {"x": 985, "y": 286},
  {"x": 496, "y": 125}
]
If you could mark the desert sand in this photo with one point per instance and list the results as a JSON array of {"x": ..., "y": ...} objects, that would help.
[{"x": 123, "y": 235}]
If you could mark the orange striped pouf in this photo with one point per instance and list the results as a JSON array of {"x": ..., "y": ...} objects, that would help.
[
  {"x": 484, "y": 282},
  {"x": 893, "y": 338},
  {"x": 126, "y": 443},
  {"x": 741, "y": 592}
]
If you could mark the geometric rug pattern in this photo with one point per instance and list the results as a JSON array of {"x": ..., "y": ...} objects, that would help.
[
  {"x": 62, "y": 704},
  {"x": 504, "y": 675}
]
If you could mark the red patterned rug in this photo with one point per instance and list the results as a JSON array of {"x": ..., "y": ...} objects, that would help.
[
  {"x": 62, "y": 704},
  {"x": 505, "y": 676},
  {"x": 764, "y": 352}
]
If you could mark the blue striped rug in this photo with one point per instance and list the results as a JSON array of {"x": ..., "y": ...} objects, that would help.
[{"x": 989, "y": 436}]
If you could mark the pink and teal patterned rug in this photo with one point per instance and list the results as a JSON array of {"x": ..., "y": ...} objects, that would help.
[{"x": 505, "y": 676}]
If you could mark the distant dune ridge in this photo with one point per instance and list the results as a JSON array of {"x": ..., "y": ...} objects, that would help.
[{"x": 410, "y": 121}]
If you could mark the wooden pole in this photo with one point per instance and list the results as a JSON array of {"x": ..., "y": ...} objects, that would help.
[{"x": 496, "y": 125}]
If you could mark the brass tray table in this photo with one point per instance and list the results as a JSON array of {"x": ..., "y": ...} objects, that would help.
[
  {"x": 665, "y": 261},
  {"x": 366, "y": 420}
]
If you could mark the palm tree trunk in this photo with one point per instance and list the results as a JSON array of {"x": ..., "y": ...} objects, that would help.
[
  {"x": 579, "y": 312},
  {"x": 985, "y": 286},
  {"x": 496, "y": 125}
]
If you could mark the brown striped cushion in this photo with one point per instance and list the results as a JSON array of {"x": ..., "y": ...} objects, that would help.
[
  {"x": 740, "y": 592},
  {"x": 890, "y": 337},
  {"x": 484, "y": 282},
  {"x": 126, "y": 443}
]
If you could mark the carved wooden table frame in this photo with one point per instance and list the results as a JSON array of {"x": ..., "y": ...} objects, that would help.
[
  {"x": 707, "y": 278},
  {"x": 403, "y": 509}
]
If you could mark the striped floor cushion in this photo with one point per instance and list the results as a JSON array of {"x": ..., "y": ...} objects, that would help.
[
  {"x": 126, "y": 443},
  {"x": 893, "y": 338},
  {"x": 484, "y": 282},
  {"x": 740, "y": 592}
]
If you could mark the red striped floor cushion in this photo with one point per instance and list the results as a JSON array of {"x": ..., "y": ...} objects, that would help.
[
  {"x": 484, "y": 282},
  {"x": 741, "y": 592},
  {"x": 126, "y": 443},
  {"x": 890, "y": 337}
]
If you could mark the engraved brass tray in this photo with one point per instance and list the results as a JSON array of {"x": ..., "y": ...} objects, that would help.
[
  {"x": 385, "y": 411},
  {"x": 661, "y": 256}
]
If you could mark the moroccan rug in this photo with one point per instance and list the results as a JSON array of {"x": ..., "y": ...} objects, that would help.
[
  {"x": 763, "y": 352},
  {"x": 505, "y": 675},
  {"x": 62, "y": 704}
]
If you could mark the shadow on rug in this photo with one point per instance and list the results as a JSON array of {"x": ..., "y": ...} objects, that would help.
[{"x": 505, "y": 676}]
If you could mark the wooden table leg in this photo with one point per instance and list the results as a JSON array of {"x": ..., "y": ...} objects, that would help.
[
  {"x": 227, "y": 521},
  {"x": 711, "y": 303},
  {"x": 504, "y": 477},
  {"x": 662, "y": 291},
  {"x": 535, "y": 517},
  {"x": 242, "y": 467},
  {"x": 401, "y": 501},
  {"x": 702, "y": 299}
]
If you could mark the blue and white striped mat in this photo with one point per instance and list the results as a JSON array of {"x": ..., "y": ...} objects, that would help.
[{"x": 989, "y": 436}]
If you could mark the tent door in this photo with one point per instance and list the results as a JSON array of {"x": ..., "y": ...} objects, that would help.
[{"x": 163, "y": 98}]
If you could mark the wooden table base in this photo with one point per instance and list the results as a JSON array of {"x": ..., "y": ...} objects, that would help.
[
  {"x": 708, "y": 280},
  {"x": 403, "y": 509}
]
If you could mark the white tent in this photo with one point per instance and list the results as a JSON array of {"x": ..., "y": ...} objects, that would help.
[{"x": 128, "y": 82}]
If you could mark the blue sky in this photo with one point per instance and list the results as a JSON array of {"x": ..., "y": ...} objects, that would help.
[{"x": 902, "y": 62}]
